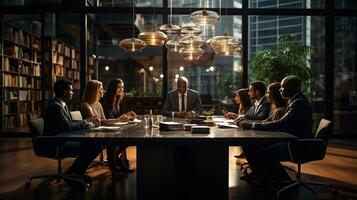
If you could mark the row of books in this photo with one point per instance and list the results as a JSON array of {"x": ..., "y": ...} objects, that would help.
[
  {"x": 22, "y": 95},
  {"x": 15, "y": 121},
  {"x": 19, "y": 53},
  {"x": 20, "y": 37},
  {"x": 34, "y": 70},
  {"x": 30, "y": 82}
]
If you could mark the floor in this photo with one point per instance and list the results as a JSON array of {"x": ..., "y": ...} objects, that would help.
[{"x": 18, "y": 163}]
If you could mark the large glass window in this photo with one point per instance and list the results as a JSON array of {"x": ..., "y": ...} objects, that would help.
[
  {"x": 216, "y": 77},
  {"x": 264, "y": 33},
  {"x": 126, "y": 3},
  {"x": 140, "y": 71},
  {"x": 286, "y": 4},
  {"x": 345, "y": 92},
  {"x": 343, "y": 4}
]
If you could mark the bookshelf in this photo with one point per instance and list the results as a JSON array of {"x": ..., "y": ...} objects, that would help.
[
  {"x": 20, "y": 76},
  {"x": 61, "y": 61}
]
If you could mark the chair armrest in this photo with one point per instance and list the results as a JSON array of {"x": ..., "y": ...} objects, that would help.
[{"x": 306, "y": 150}]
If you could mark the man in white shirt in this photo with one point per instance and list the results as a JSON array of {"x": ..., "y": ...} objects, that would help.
[{"x": 182, "y": 102}]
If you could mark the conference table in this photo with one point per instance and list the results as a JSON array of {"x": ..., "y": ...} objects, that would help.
[{"x": 177, "y": 164}]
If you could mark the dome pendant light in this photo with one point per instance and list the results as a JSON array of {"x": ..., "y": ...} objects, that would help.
[
  {"x": 204, "y": 18},
  {"x": 226, "y": 45},
  {"x": 154, "y": 38},
  {"x": 170, "y": 28},
  {"x": 132, "y": 44}
]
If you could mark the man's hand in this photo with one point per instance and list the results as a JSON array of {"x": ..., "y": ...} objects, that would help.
[
  {"x": 238, "y": 120},
  {"x": 245, "y": 124},
  {"x": 189, "y": 114},
  {"x": 90, "y": 125},
  {"x": 180, "y": 114}
]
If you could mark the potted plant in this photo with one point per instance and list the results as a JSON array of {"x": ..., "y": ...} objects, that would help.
[{"x": 290, "y": 56}]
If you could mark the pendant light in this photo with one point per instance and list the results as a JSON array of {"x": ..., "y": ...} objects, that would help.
[
  {"x": 190, "y": 29},
  {"x": 173, "y": 45},
  {"x": 132, "y": 44},
  {"x": 170, "y": 28},
  {"x": 153, "y": 38},
  {"x": 204, "y": 18},
  {"x": 226, "y": 45},
  {"x": 191, "y": 54}
]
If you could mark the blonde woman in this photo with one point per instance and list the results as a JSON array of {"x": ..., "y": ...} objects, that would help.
[{"x": 91, "y": 108}]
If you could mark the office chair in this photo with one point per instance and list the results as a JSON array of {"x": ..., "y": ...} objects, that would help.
[
  {"x": 76, "y": 116},
  {"x": 42, "y": 149},
  {"x": 308, "y": 150}
]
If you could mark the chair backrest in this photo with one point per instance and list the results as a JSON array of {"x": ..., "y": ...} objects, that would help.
[
  {"x": 36, "y": 127},
  {"x": 324, "y": 130},
  {"x": 76, "y": 115}
]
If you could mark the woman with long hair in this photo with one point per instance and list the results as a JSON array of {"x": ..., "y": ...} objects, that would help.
[
  {"x": 92, "y": 108},
  {"x": 245, "y": 105},
  {"x": 114, "y": 107}
]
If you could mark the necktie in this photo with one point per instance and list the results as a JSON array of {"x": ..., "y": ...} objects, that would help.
[{"x": 183, "y": 103}]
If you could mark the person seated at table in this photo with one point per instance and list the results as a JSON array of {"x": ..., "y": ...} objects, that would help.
[
  {"x": 278, "y": 104},
  {"x": 92, "y": 108},
  {"x": 265, "y": 161},
  {"x": 114, "y": 107},
  {"x": 58, "y": 120},
  {"x": 262, "y": 106},
  {"x": 182, "y": 102},
  {"x": 245, "y": 105}
]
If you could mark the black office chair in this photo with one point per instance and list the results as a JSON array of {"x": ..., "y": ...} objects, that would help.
[
  {"x": 307, "y": 150},
  {"x": 42, "y": 149}
]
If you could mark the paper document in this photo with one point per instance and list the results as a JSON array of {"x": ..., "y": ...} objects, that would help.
[{"x": 106, "y": 128}]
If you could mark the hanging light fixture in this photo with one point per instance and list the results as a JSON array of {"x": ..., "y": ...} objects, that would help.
[
  {"x": 204, "y": 18},
  {"x": 190, "y": 29},
  {"x": 191, "y": 54},
  {"x": 173, "y": 45},
  {"x": 226, "y": 45},
  {"x": 170, "y": 28},
  {"x": 153, "y": 38},
  {"x": 132, "y": 44},
  {"x": 191, "y": 41}
]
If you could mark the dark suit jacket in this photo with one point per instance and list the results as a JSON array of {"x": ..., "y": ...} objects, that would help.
[
  {"x": 171, "y": 103},
  {"x": 296, "y": 121},
  {"x": 263, "y": 111},
  {"x": 123, "y": 108},
  {"x": 57, "y": 120}
]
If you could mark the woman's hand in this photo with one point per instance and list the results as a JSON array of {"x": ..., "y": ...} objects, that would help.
[
  {"x": 231, "y": 115},
  {"x": 124, "y": 118},
  {"x": 131, "y": 114}
]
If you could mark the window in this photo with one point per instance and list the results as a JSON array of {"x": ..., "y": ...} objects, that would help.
[{"x": 345, "y": 96}]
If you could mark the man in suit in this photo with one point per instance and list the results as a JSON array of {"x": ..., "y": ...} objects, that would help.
[
  {"x": 297, "y": 121},
  {"x": 262, "y": 106},
  {"x": 57, "y": 120},
  {"x": 182, "y": 102}
]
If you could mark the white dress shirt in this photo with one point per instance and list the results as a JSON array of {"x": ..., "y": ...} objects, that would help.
[{"x": 180, "y": 101}]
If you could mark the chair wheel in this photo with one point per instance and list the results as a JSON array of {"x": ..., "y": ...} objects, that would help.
[
  {"x": 28, "y": 184},
  {"x": 334, "y": 192}
]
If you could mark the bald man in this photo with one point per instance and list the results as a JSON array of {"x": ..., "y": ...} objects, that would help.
[
  {"x": 182, "y": 102},
  {"x": 265, "y": 160}
]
